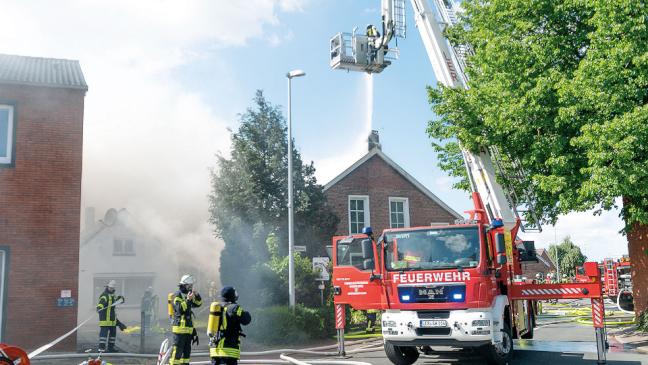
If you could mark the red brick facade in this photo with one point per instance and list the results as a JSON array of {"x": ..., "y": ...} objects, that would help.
[
  {"x": 380, "y": 180},
  {"x": 40, "y": 200},
  {"x": 544, "y": 265}
]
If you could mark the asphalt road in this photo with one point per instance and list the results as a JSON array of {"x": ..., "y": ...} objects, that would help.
[{"x": 555, "y": 344}]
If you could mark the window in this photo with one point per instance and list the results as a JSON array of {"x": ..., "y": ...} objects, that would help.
[
  {"x": 131, "y": 286},
  {"x": 399, "y": 213},
  {"x": 349, "y": 252},
  {"x": 6, "y": 134},
  {"x": 432, "y": 249},
  {"x": 123, "y": 247},
  {"x": 358, "y": 213}
]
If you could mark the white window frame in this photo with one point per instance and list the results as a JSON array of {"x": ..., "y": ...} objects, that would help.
[
  {"x": 365, "y": 198},
  {"x": 406, "y": 212},
  {"x": 10, "y": 135}
]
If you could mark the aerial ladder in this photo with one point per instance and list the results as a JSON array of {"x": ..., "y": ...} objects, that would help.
[{"x": 499, "y": 211}]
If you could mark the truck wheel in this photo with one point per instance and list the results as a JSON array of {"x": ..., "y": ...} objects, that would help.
[
  {"x": 401, "y": 355},
  {"x": 502, "y": 353}
]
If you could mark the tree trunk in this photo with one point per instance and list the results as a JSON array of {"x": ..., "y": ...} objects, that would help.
[{"x": 638, "y": 250}]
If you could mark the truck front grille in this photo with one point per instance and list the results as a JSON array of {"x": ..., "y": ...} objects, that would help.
[
  {"x": 434, "y": 314},
  {"x": 433, "y": 331}
]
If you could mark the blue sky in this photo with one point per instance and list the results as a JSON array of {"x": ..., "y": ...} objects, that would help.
[{"x": 167, "y": 78}]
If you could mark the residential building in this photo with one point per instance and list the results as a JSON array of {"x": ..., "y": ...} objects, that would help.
[
  {"x": 375, "y": 191},
  {"x": 41, "y": 137},
  {"x": 118, "y": 247},
  {"x": 544, "y": 265}
]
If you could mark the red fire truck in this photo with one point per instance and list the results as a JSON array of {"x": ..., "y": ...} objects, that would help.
[
  {"x": 456, "y": 285},
  {"x": 459, "y": 285}
]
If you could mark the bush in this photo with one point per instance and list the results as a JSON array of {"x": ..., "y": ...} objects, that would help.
[{"x": 279, "y": 325}]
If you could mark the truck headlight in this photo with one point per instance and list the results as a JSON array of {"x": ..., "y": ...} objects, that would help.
[{"x": 481, "y": 323}]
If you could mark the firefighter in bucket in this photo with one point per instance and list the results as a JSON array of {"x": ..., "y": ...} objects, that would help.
[{"x": 224, "y": 328}]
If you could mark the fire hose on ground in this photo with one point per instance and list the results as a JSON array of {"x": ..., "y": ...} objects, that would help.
[{"x": 165, "y": 352}]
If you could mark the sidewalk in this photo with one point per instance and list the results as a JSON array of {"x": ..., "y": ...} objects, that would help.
[{"x": 630, "y": 337}]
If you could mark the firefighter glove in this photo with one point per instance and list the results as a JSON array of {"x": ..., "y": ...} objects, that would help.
[{"x": 120, "y": 297}]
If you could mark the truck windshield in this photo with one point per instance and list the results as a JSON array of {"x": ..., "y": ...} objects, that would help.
[{"x": 429, "y": 249}]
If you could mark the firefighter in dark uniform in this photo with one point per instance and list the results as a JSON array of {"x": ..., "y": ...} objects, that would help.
[
  {"x": 108, "y": 318},
  {"x": 226, "y": 347},
  {"x": 183, "y": 332}
]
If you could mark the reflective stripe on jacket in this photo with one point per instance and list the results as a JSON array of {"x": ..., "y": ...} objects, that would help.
[
  {"x": 229, "y": 344},
  {"x": 182, "y": 313},
  {"x": 107, "y": 315}
]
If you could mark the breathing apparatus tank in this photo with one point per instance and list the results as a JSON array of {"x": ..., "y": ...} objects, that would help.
[
  {"x": 170, "y": 305},
  {"x": 215, "y": 318}
]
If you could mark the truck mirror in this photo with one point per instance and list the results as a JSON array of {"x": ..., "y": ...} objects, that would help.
[
  {"x": 368, "y": 264},
  {"x": 367, "y": 249},
  {"x": 501, "y": 259},
  {"x": 500, "y": 243}
]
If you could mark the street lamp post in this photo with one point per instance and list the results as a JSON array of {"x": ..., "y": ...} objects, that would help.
[{"x": 291, "y": 236}]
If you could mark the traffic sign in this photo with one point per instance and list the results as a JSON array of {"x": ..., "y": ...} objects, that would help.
[{"x": 321, "y": 264}]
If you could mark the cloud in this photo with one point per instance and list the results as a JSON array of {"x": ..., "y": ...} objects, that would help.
[
  {"x": 149, "y": 138},
  {"x": 598, "y": 236},
  {"x": 444, "y": 183}
]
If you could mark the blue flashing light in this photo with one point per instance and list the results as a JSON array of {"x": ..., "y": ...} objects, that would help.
[
  {"x": 405, "y": 298},
  {"x": 496, "y": 223},
  {"x": 367, "y": 230},
  {"x": 457, "y": 296}
]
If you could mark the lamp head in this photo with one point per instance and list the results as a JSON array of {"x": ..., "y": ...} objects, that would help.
[{"x": 295, "y": 73}]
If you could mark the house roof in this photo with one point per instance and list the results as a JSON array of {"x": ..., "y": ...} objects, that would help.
[
  {"x": 394, "y": 165},
  {"x": 37, "y": 71},
  {"x": 543, "y": 256}
]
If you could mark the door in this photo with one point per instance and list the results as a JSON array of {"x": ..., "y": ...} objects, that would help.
[{"x": 354, "y": 273}]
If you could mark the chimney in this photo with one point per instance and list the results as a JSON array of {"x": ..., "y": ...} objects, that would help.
[
  {"x": 89, "y": 218},
  {"x": 374, "y": 141}
]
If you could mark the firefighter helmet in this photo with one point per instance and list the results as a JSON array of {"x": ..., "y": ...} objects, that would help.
[
  {"x": 111, "y": 284},
  {"x": 229, "y": 294},
  {"x": 187, "y": 280}
]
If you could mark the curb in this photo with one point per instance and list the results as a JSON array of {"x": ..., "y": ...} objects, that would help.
[{"x": 642, "y": 349}]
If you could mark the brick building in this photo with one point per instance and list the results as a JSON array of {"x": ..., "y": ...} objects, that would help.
[
  {"x": 544, "y": 265},
  {"x": 376, "y": 192},
  {"x": 41, "y": 135}
]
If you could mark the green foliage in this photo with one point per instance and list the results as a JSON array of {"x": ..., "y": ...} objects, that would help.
[
  {"x": 279, "y": 325},
  {"x": 569, "y": 256},
  {"x": 248, "y": 203},
  {"x": 305, "y": 285},
  {"x": 562, "y": 86}
]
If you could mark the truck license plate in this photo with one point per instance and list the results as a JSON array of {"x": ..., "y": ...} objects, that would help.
[{"x": 433, "y": 323}]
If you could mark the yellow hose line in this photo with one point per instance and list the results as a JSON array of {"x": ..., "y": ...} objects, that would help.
[{"x": 608, "y": 323}]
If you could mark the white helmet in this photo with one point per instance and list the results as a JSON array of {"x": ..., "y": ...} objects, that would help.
[
  {"x": 111, "y": 284},
  {"x": 187, "y": 280}
]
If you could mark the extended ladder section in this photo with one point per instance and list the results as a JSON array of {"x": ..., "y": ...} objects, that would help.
[{"x": 449, "y": 65}]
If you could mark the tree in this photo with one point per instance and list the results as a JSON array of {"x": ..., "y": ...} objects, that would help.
[
  {"x": 249, "y": 197},
  {"x": 569, "y": 256},
  {"x": 559, "y": 87}
]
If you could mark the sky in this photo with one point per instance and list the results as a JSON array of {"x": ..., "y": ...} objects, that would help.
[{"x": 168, "y": 79}]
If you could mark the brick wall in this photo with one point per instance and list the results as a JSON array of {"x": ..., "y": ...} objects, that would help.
[
  {"x": 40, "y": 213},
  {"x": 379, "y": 181}
]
